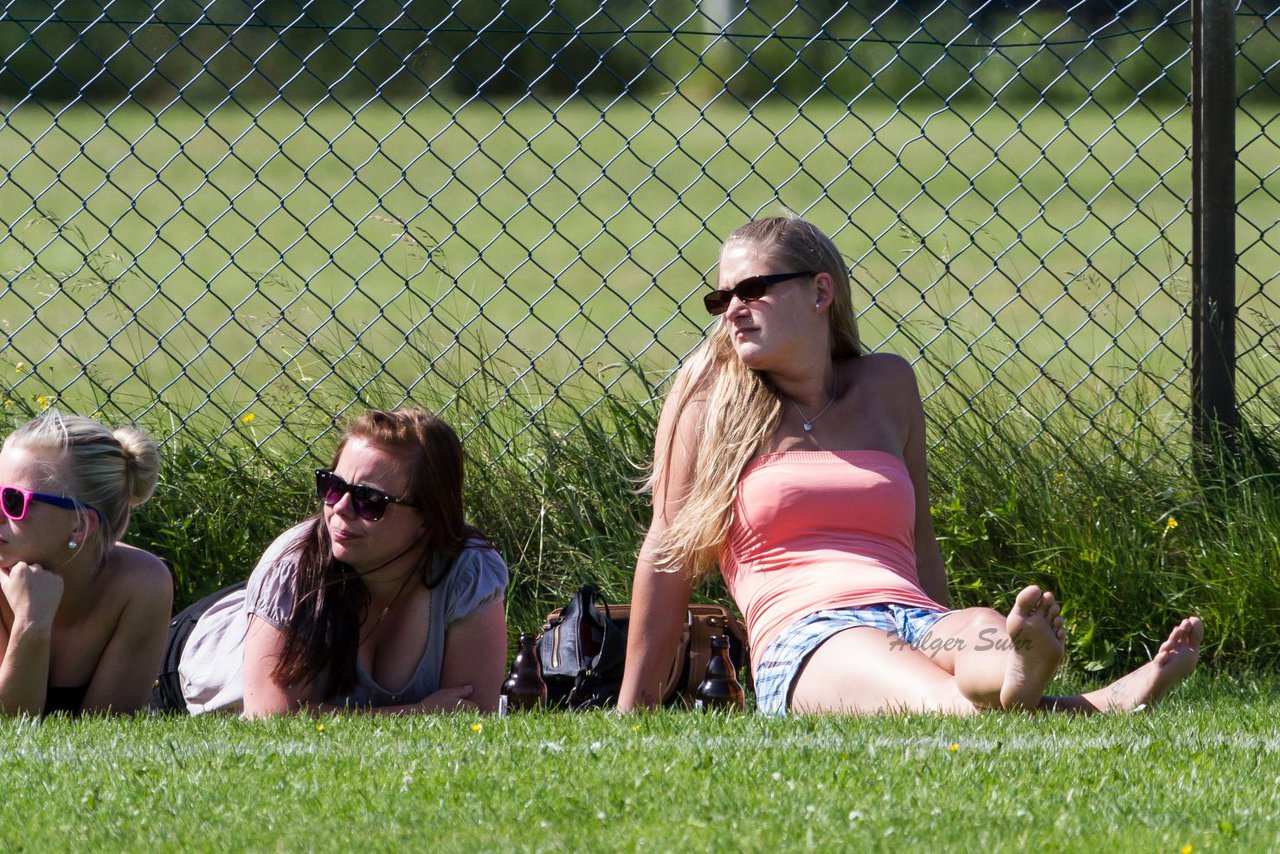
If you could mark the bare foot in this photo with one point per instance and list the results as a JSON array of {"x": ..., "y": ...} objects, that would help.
[
  {"x": 1038, "y": 641},
  {"x": 1172, "y": 663}
]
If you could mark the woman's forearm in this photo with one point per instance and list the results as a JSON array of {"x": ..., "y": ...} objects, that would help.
[
  {"x": 659, "y": 604},
  {"x": 24, "y": 673}
]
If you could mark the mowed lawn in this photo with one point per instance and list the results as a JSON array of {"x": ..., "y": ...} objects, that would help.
[
  {"x": 1199, "y": 773},
  {"x": 255, "y": 253}
]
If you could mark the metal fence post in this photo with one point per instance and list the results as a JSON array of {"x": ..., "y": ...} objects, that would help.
[{"x": 1213, "y": 255}]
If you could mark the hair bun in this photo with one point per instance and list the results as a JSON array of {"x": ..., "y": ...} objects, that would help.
[{"x": 142, "y": 463}]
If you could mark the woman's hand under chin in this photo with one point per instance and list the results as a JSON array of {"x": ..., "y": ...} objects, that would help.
[{"x": 32, "y": 592}]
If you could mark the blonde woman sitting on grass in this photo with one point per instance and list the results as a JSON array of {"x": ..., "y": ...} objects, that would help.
[{"x": 796, "y": 462}]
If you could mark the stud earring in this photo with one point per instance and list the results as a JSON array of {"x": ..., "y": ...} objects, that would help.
[{"x": 71, "y": 544}]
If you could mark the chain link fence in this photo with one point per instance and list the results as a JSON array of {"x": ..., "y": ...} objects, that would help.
[
  {"x": 241, "y": 219},
  {"x": 1258, "y": 222}
]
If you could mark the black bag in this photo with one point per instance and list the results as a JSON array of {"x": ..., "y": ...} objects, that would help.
[{"x": 583, "y": 650}]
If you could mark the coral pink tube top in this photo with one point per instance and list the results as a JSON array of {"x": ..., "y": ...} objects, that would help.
[{"x": 816, "y": 530}]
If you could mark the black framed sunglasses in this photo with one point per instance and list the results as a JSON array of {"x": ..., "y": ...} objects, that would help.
[
  {"x": 748, "y": 290},
  {"x": 368, "y": 503},
  {"x": 14, "y": 501}
]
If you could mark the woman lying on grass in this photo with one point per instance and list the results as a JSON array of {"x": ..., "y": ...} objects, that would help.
[
  {"x": 386, "y": 600},
  {"x": 797, "y": 463},
  {"x": 82, "y": 615}
]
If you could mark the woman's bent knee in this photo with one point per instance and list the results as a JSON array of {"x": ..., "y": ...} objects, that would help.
[{"x": 864, "y": 670}]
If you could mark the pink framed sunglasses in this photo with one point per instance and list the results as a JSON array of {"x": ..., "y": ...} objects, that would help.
[{"x": 14, "y": 501}]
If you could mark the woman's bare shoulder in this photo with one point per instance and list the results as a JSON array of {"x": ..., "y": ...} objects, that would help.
[
  {"x": 139, "y": 570},
  {"x": 134, "y": 589},
  {"x": 887, "y": 372}
]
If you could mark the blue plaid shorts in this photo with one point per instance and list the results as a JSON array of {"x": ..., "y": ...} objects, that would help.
[{"x": 788, "y": 652}]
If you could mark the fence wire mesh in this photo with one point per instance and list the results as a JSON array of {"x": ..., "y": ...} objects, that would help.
[{"x": 245, "y": 218}]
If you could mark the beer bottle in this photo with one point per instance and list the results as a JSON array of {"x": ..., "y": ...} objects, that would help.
[
  {"x": 719, "y": 688},
  {"x": 524, "y": 688}
]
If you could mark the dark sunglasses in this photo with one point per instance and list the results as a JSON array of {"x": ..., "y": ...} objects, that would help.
[
  {"x": 748, "y": 290},
  {"x": 368, "y": 503},
  {"x": 15, "y": 500}
]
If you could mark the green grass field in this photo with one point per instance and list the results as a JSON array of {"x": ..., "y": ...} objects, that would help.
[
  {"x": 1196, "y": 774},
  {"x": 245, "y": 257}
]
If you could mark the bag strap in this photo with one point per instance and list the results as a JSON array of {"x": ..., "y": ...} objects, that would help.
[
  {"x": 700, "y": 632},
  {"x": 671, "y": 684},
  {"x": 621, "y": 615},
  {"x": 706, "y": 622}
]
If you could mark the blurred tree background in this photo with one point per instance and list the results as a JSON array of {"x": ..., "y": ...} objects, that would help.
[{"x": 253, "y": 52}]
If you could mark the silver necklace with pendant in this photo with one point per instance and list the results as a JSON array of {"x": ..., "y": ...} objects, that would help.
[{"x": 809, "y": 422}]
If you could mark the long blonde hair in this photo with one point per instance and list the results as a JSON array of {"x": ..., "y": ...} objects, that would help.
[{"x": 740, "y": 406}]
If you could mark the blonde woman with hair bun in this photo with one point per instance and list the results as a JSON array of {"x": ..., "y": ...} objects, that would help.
[
  {"x": 83, "y": 617},
  {"x": 794, "y": 461}
]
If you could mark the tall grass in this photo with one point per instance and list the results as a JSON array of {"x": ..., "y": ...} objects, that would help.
[
  {"x": 1128, "y": 547},
  {"x": 215, "y": 511}
]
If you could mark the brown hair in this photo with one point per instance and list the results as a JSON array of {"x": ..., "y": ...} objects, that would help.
[{"x": 322, "y": 634}]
